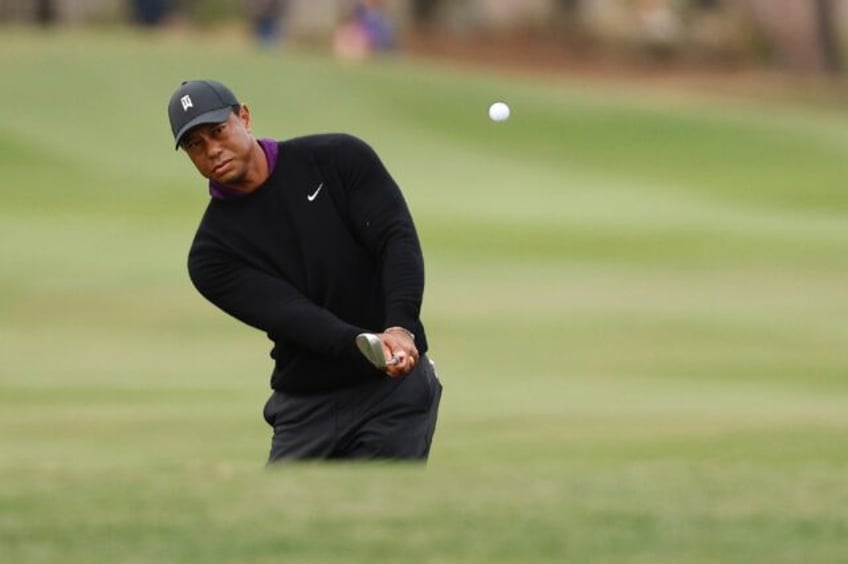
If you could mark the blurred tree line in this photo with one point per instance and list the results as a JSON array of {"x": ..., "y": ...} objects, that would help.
[{"x": 800, "y": 35}]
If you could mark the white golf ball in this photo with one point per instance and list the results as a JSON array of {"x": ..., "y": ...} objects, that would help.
[{"x": 499, "y": 111}]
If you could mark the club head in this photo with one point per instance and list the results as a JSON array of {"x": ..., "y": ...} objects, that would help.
[{"x": 372, "y": 349}]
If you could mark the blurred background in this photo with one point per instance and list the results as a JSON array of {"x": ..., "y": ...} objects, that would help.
[
  {"x": 636, "y": 286},
  {"x": 791, "y": 35}
]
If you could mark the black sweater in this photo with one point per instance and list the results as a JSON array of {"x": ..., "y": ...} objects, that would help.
[{"x": 323, "y": 250}]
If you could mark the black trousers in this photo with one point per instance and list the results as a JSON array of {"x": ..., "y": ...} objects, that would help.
[{"x": 389, "y": 418}]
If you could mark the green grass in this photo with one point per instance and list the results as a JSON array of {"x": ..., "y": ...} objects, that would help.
[{"x": 671, "y": 268}]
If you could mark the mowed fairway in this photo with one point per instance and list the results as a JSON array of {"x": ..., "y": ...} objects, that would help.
[{"x": 637, "y": 303}]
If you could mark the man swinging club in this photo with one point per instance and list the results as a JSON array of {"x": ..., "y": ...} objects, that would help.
[{"x": 310, "y": 240}]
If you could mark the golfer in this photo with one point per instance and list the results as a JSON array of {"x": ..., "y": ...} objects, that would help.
[{"x": 310, "y": 240}]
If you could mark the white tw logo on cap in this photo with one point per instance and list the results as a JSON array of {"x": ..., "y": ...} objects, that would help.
[{"x": 186, "y": 101}]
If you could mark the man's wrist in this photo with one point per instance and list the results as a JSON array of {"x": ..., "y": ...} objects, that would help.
[{"x": 399, "y": 329}]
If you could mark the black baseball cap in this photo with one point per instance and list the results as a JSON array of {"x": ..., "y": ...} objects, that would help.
[{"x": 197, "y": 102}]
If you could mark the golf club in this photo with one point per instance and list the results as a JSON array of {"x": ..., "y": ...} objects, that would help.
[{"x": 372, "y": 348}]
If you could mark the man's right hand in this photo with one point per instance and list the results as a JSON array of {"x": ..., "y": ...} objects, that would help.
[{"x": 400, "y": 351}]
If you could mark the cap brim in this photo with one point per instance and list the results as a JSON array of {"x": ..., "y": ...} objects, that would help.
[{"x": 215, "y": 116}]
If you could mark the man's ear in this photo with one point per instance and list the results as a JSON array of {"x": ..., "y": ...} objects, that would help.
[{"x": 244, "y": 116}]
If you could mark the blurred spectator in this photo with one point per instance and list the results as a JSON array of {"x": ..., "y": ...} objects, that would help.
[
  {"x": 45, "y": 12},
  {"x": 149, "y": 12},
  {"x": 349, "y": 40},
  {"x": 374, "y": 21},
  {"x": 660, "y": 24},
  {"x": 425, "y": 12},
  {"x": 366, "y": 29},
  {"x": 266, "y": 17}
]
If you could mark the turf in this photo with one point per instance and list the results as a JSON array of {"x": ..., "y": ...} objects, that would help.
[{"x": 636, "y": 300}]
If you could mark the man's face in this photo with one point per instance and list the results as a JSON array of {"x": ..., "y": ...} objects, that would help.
[{"x": 222, "y": 151}]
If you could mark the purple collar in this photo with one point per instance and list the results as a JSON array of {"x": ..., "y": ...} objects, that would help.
[{"x": 223, "y": 192}]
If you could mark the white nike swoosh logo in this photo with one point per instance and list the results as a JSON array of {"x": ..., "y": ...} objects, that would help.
[{"x": 311, "y": 197}]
